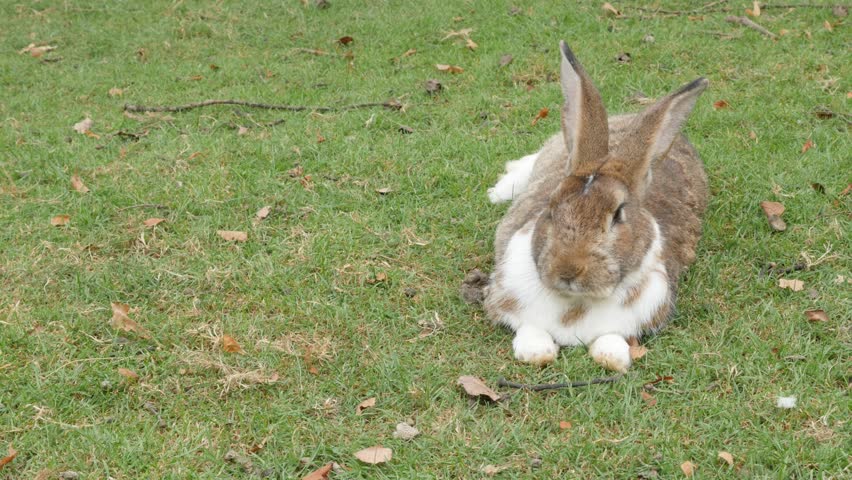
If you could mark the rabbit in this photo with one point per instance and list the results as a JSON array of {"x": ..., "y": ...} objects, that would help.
[{"x": 603, "y": 221}]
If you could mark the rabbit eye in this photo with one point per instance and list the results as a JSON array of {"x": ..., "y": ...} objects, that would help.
[{"x": 618, "y": 216}]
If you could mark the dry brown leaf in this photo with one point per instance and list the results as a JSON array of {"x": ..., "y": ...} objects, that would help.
[
  {"x": 233, "y": 235},
  {"x": 828, "y": 26},
  {"x": 794, "y": 285},
  {"x": 432, "y": 86},
  {"x": 464, "y": 33},
  {"x": 476, "y": 388},
  {"x": 448, "y": 68},
  {"x": 846, "y": 190},
  {"x": 755, "y": 10},
  {"x": 8, "y": 458},
  {"x": 772, "y": 208},
  {"x": 608, "y": 8},
  {"x": 263, "y": 212},
  {"x": 60, "y": 220},
  {"x": 121, "y": 320},
  {"x": 115, "y": 92},
  {"x": 720, "y": 104},
  {"x": 153, "y": 221},
  {"x": 384, "y": 190},
  {"x": 637, "y": 351},
  {"x": 469, "y": 43},
  {"x": 543, "y": 113},
  {"x": 807, "y": 146},
  {"x": 345, "y": 40},
  {"x": 242, "y": 130},
  {"x": 409, "y": 52},
  {"x": 36, "y": 51},
  {"x": 563, "y": 425},
  {"x": 688, "y": 468},
  {"x": 374, "y": 455},
  {"x": 320, "y": 473},
  {"x": 648, "y": 398},
  {"x": 506, "y": 60},
  {"x": 77, "y": 184},
  {"x": 727, "y": 457},
  {"x": 816, "y": 315},
  {"x": 230, "y": 345},
  {"x": 128, "y": 374},
  {"x": 370, "y": 402},
  {"x": 83, "y": 125}
]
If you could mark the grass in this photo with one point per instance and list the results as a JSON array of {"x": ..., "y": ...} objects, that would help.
[{"x": 330, "y": 293}]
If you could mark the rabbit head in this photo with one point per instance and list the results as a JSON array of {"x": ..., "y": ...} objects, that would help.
[{"x": 595, "y": 230}]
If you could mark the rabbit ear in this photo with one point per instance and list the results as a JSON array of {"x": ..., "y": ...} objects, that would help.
[
  {"x": 651, "y": 135},
  {"x": 584, "y": 122}
]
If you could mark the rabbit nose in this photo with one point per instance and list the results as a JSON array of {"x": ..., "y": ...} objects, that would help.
[{"x": 570, "y": 272}]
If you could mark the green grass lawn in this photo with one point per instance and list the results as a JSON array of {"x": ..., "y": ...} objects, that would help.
[{"x": 343, "y": 293}]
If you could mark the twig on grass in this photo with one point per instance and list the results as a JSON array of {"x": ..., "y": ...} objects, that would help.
[
  {"x": 750, "y": 24},
  {"x": 392, "y": 104},
  {"x": 705, "y": 9},
  {"x": 770, "y": 268},
  {"x": 502, "y": 382}
]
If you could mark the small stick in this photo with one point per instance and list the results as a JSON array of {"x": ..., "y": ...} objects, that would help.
[
  {"x": 144, "y": 205},
  {"x": 555, "y": 386},
  {"x": 750, "y": 24},
  {"x": 393, "y": 104}
]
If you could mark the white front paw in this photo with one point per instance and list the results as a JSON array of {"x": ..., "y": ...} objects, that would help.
[
  {"x": 534, "y": 345},
  {"x": 502, "y": 192},
  {"x": 612, "y": 352}
]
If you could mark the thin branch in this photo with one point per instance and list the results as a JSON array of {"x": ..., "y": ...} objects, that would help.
[
  {"x": 705, "y": 9},
  {"x": 392, "y": 104},
  {"x": 144, "y": 205},
  {"x": 750, "y": 24},
  {"x": 555, "y": 386}
]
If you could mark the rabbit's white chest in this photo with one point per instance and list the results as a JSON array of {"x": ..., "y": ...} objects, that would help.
[{"x": 522, "y": 299}]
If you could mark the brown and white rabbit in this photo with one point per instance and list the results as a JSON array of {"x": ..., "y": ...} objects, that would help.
[{"x": 604, "y": 218}]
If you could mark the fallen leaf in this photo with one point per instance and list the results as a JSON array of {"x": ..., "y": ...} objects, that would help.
[
  {"x": 720, "y": 104},
  {"x": 783, "y": 32},
  {"x": 476, "y": 388},
  {"x": 505, "y": 60},
  {"x": 492, "y": 470},
  {"x": 233, "y": 235},
  {"x": 374, "y": 455},
  {"x": 469, "y": 43},
  {"x": 405, "y": 431},
  {"x": 640, "y": 98},
  {"x": 263, "y": 213},
  {"x": 816, "y": 315},
  {"x": 121, "y": 320},
  {"x": 128, "y": 374},
  {"x": 60, "y": 220},
  {"x": 794, "y": 285},
  {"x": 563, "y": 425},
  {"x": 153, "y": 221},
  {"x": 320, "y": 138},
  {"x": 213, "y": 67},
  {"x": 115, "y": 92},
  {"x": 688, "y": 468},
  {"x": 345, "y": 40},
  {"x": 638, "y": 351},
  {"x": 464, "y": 33},
  {"x": 828, "y": 26},
  {"x": 320, "y": 473},
  {"x": 772, "y": 208},
  {"x": 846, "y": 190},
  {"x": 807, "y": 146},
  {"x": 432, "y": 86},
  {"x": 649, "y": 38},
  {"x": 384, "y": 190},
  {"x": 543, "y": 113},
  {"x": 370, "y": 402},
  {"x": 609, "y": 9},
  {"x": 83, "y": 125},
  {"x": 242, "y": 130},
  {"x": 77, "y": 184},
  {"x": 405, "y": 129},
  {"x": 648, "y": 398},
  {"x": 8, "y": 458},
  {"x": 727, "y": 457},
  {"x": 623, "y": 57},
  {"x": 409, "y": 52},
  {"x": 755, "y": 10},
  {"x": 448, "y": 68},
  {"x": 752, "y": 136},
  {"x": 36, "y": 51},
  {"x": 230, "y": 345}
]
